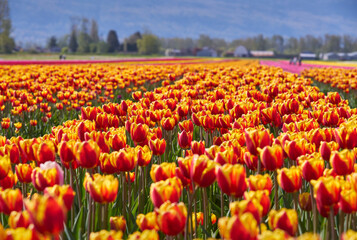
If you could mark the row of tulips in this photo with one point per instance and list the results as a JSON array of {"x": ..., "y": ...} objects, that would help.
[{"x": 260, "y": 148}]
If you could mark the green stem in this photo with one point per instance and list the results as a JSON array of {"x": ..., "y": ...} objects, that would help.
[
  {"x": 276, "y": 190},
  {"x": 332, "y": 224},
  {"x": 314, "y": 210}
]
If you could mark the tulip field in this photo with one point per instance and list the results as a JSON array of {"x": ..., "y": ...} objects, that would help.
[{"x": 177, "y": 149}]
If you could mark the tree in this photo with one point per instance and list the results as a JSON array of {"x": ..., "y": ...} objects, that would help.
[
  {"x": 94, "y": 31},
  {"x": 52, "y": 42},
  {"x": 204, "y": 41},
  {"x": 84, "y": 39},
  {"x": 149, "y": 44},
  {"x": 73, "y": 44},
  {"x": 7, "y": 43},
  {"x": 112, "y": 41},
  {"x": 130, "y": 43}
]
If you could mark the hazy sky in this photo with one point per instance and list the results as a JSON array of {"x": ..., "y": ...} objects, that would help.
[{"x": 36, "y": 20}]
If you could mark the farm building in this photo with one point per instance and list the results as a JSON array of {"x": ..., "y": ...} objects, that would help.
[
  {"x": 241, "y": 51},
  {"x": 207, "y": 52},
  {"x": 262, "y": 53},
  {"x": 308, "y": 56}
]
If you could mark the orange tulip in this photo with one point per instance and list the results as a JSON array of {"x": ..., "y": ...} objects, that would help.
[
  {"x": 87, "y": 154},
  {"x": 143, "y": 155},
  {"x": 243, "y": 227},
  {"x": 257, "y": 139},
  {"x": 184, "y": 139},
  {"x": 117, "y": 223},
  {"x": 260, "y": 182},
  {"x": 124, "y": 160},
  {"x": 62, "y": 193},
  {"x": 343, "y": 162},
  {"x": 47, "y": 175},
  {"x": 231, "y": 179},
  {"x": 290, "y": 179},
  {"x": 147, "y": 222},
  {"x": 326, "y": 191},
  {"x": 19, "y": 219},
  {"x": 284, "y": 219},
  {"x": 296, "y": 148},
  {"x": 252, "y": 206},
  {"x": 262, "y": 196},
  {"x": 346, "y": 136},
  {"x": 162, "y": 172},
  {"x": 272, "y": 157},
  {"x": 46, "y": 213},
  {"x": 157, "y": 146},
  {"x": 167, "y": 190},
  {"x": 117, "y": 141},
  {"x": 5, "y": 166},
  {"x": 202, "y": 171},
  {"x": 312, "y": 169},
  {"x": 186, "y": 125},
  {"x": 66, "y": 151},
  {"x": 326, "y": 148},
  {"x": 171, "y": 218},
  {"x": 348, "y": 201},
  {"x": 9, "y": 181},
  {"x": 198, "y": 147},
  {"x": 139, "y": 132},
  {"x": 10, "y": 200},
  {"x": 103, "y": 189}
]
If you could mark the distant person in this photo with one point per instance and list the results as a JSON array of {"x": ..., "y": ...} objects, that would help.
[
  {"x": 294, "y": 60},
  {"x": 64, "y": 57},
  {"x": 290, "y": 61},
  {"x": 300, "y": 59},
  {"x": 60, "y": 57}
]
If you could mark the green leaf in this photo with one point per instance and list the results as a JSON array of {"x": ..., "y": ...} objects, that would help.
[
  {"x": 68, "y": 233},
  {"x": 76, "y": 224}
]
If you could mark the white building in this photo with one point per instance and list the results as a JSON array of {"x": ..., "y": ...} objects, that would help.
[
  {"x": 308, "y": 56},
  {"x": 262, "y": 53},
  {"x": 241, "y": 51},
  {"x": 330, "y": 56}
]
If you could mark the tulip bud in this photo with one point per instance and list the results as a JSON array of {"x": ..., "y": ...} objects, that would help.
[
  {"x": 252, "y": 206},
  {"x": 305, "y": 201},
  {"x": 348, "y": 201},
  {"x": 103, "y": 189},
  {"x": 290, "y": 179},
  {"x": 106, "y": 235},
  {"x": 167, "y": 190},
  {"x": 284, "y": 219},
  {"x": 231, "y": 179},
  {"x": 342, "y": 162},
  {"x": 238, "y": 227},
  {"x": 162, "y": 172},
  {"x": 198, "y": 147},
  {"x": 47, "y": 175},
  {"x": 117, "y": 223},
  {"x": 326, "y": 191},
  {"x": 145, "y": 235},
  {"x": 312, "y": 169},
  {"x": 260, "y": 182},
  {"x": 202, "y": 171},
  {"x": 5, "y": 166},
  {"x": 262, "y": 196},
  {"x": 124, "y": 160},
  {"x": 157, "y": 146},
  {"x": 19, "y": 219},
  {"x": 87, "y": 154},
  {"x": 147, "y": 222},
  {"x": 257, "y": 139},
  {"x": 44, "y": 151},
  {"x": 46, "y": 213},
  {"x": 143, "y": 155},
  {"x": 171, "y": 218},
  {"x": 326, "y": 148},
  {"x": 184, "y": 139},
  {"x": 10, "y": 200},
  {"x": 63, "y": 193},
  {"x": 272, "y": 157}
]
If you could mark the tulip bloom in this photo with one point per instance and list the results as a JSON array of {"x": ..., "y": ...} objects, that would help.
[
  {"x": 47, "y": 175},
  {"x": 202, "y": 171},
  {"x": 143, "y": 155},
  {"x": 257, "y": 139},
  {"x": 44, "y": 151},
  {"x": 346, "y": 136},
  {"x": 5, "y": 166},
  {"x": 342, "y": 162},
  {"x": 9, "y": 181},
  {"x": 326, "y": 148},
  {"x": 326, "y": 191},
  {"x": 348, "y": 201},
  {"x": 186, "y": 125},
  {"x": 290, "y": 179},
  {"x": 147, "y": 221},
  {"x": 103, "y": 189},
  {"x": 124, "y": 160},
  {"x": 65, "y": 151},
  {"x": 117, "y": 141},
  {"x": 284, "y": 219},
  {"x": 157, "y": 146},
  {"x": 243, "y": 227},
  {"x": 231, "y": 179},
  {"x": 87, "y": 154},
  {"x": 312, "y": 169},
  {"x": 251, "y": 161},
  {"x": 63, "y": 193},
  {"x": 272, "y": 157},
  {"x": 168, "y": 190},
  {"x": 19, "y": 219},
  {"x": 296, "y": 148},
  {"x": 10, "y": 200},
  {"x": 46, "y": 213},
  {"x": 305, "y": 201},
  {"x": 198, "y": 147},
  {"x": 260, "y": 182},
  {"x": 262, "y": 196},
  {"x": 117, "y": 223},
  {"x": 162, "y": 172},
  {"x": 139, "y": 132},
  {"x": 106, "y": 235},
  {"x": 171, "y": 218},
  {"x": 252, "y": 206},
  {"x": 145, "y": 235},
  {"x": 184, "y": 139}
]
